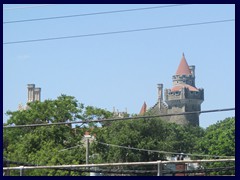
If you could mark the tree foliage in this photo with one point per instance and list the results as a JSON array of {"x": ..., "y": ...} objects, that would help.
[
  {"x": 150, "y": 134},
  {"x": 219, "y": 140},
  {"x": 47, "y": 145},
  {"x": 63, "y": 144}
]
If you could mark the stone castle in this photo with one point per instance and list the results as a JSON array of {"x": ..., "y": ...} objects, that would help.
[{"x": 184, "y": 96}]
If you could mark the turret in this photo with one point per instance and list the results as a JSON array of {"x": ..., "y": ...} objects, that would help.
[{"x": 143, "y": 109}]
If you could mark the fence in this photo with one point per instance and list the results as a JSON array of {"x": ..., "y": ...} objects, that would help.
[{"x": 161, "y": 168}]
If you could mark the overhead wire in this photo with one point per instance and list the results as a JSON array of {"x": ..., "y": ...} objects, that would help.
[
  {"x": 151, "y": 151},
  {"x": 117, "y": 119},
  {"x": 95, "y": 13},
  {"x": 69, "y": 148},
  {"x": 161, "y": 152},
  {"x": 119, "y": 32}
]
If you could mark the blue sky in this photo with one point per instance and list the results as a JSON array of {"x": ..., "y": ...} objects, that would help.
[{"x": 119, "y": 70}]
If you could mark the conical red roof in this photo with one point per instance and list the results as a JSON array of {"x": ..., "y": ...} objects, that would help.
[
  {"x": 143, "y": 109},
  {"x": 183, "y": 67}
]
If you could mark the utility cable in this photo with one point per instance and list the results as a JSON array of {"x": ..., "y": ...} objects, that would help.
[
  {"x": 70, "y": 148},
  {"x": 151, "y": 151},
  {"x": 96, "y": 13},
  {"x": 118, "y": 119},
  {"x": 119, "y": 32},
  {"x": 162, "y": 152}
]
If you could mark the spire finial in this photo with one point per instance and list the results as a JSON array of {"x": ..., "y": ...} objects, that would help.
[{"x": 183, "y": 54}]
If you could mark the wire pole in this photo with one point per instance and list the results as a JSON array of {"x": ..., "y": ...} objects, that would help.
[
  {"x": 160, "y": 168},
  {"x": 87, "y": 150},
  {"x": 21, "y": 170},
  {"x": 8, "y": 171},
  {"x": 87, "y": 136}
]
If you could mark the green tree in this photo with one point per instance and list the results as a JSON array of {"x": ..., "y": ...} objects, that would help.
[
  {"x": 43, "y": 145},
  {"x": 94, "y": 113},
  {"x": 60, "y": 110},
  {"x": 152, "y": 134},
  {"x": 50, "y": 145},
  {"x": 219, "y": 140},
  {"x": 62, "y": 144}
]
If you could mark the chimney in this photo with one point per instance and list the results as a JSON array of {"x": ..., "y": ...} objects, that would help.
[
  {"x": 37, "y": 94},
  {"x": 31, "y": 88},
  {"x": 160, "y": 92}
]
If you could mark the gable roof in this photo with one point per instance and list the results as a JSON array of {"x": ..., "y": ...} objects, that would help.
[{"x": 183, "y": 68}]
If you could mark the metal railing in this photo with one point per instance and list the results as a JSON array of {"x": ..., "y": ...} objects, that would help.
[{"x": 160, "y": 167}]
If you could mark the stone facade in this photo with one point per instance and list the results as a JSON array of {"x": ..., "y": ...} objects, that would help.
[{"x": 184, "y": 96}]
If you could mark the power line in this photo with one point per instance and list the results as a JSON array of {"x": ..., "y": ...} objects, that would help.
[
  {"x": 70, "y": 148},
  {"x": 162, "y": 152},
  {"x": 118, "y": 119},
  {"x": 27, "y": 7},
  {"x": 96, "y": 13},
  {"x": 119, "y": 32}
]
